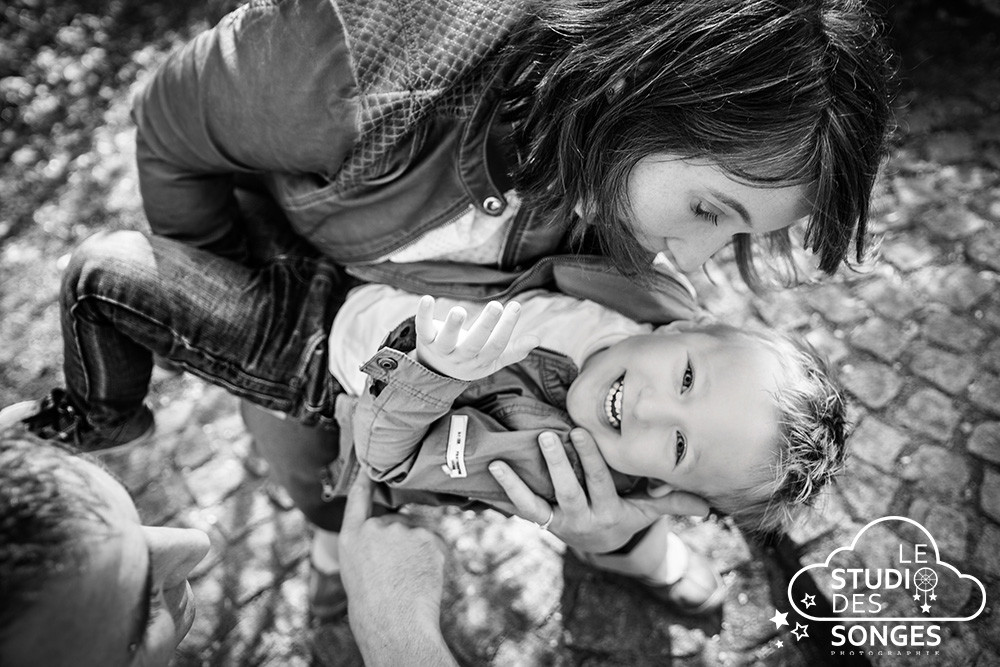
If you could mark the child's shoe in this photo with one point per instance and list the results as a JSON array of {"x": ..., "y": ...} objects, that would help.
[{"x": 58, "y": 419}]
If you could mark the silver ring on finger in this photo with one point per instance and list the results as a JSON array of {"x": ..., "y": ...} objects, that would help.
[{"x": 548, "y": 522}]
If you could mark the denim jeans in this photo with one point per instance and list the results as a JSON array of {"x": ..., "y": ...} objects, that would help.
[{"x": 260, "y": 333}]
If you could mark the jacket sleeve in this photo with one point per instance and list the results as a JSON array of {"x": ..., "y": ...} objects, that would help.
[
  {"x": 268, "y": 89},
  {"x": 409, "y": 434}
]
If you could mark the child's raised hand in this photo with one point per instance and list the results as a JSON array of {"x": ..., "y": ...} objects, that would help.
[{"x": 485, "y": 348}]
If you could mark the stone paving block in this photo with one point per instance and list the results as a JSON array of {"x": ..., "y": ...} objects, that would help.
[
  {"x": 218, "y": 478},
  {"x": 956, "y": 287},
  {"x": 243, "y": 511},
  {"x": 909, "y": 252},
  {"x": 937, "y": 470},
  {"x": 255, "y": 641},
  {"x": 985, "y": 441},
  {"x": 890, "y": 299},
  {"x": 747, "y": 610},
  {"x": 882, "y": 338},
  {"x": 954, "y": 223},
  {"x": 163, "y": 498},
  {"x": 828, "y": 514},
  {"x": 949, "y": 372},
  {"x": 835, "y": 304},
  {"x": 984, "y": 248},
  {"x": 986, "y": 557},
  {"x": 872, "y": 383},
  {"x": 877, "y": 443},
  {"x": 949, "y": 526},
  {"x": 830, "y": 345},
  {"x": 868, "y": 492},
  {"x": 989, "y": 494},
  {"x": 782, "y": 311},
  {"x": 194, "y": 448},
  {"x": 953, "y": 331},
  {"x": 991, "y": 357},
  {"x": 989, "y": 312},
  {"x": 984, "y": 392},
  {"x": 929, "y": 412}
]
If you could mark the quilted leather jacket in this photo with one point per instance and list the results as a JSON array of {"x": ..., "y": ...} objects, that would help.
[{"x": 371, "y": 122}]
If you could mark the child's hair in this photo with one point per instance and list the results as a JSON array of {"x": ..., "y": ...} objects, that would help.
[
  {"x": 812, "y": 439},
  {"x": 776, "y": 92}
]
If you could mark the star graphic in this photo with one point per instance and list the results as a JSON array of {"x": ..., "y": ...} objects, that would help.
[
  {"x": 800, "y": 631},
  {"x": 926, "y": 608},
  {"x": 779, "y": 619},
  {"x": 933, "y": 596},
  {"x": 779, "y": 643},
  {"x": 916, "y": 596},
  {"x": 809, "y": 600}
]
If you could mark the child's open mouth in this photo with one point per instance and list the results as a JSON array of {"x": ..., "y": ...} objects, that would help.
[{"x": 613, "y": 403}]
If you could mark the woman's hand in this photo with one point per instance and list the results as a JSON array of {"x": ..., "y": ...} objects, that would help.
[
  {"x": 445, "y": 348},
  {"x": 598, "y": 524}
]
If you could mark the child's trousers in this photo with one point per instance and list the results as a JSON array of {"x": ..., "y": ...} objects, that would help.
[{"x": 261, "y": 333}]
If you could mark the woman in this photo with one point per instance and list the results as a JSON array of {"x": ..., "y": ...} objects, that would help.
[{"x": 476, "y": 148}]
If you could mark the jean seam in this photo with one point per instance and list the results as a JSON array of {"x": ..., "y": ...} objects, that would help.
[{"x": 175, "y": 336}]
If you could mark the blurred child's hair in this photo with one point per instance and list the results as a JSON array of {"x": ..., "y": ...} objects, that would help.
[{"x": 811, "y": 451}]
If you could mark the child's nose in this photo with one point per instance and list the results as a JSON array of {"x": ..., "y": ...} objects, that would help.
[{"x": 653, "y": 406}]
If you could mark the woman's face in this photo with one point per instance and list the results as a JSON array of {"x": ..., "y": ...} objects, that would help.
[{"x": 689, "y": 210}]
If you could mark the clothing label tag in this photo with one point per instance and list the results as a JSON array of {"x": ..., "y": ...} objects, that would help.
[{"x": 454, "y": 465}]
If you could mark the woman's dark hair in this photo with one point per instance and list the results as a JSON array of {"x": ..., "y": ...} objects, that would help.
[{"x": 776, "y": 92}]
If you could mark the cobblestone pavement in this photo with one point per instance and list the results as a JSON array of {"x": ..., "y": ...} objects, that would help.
[{"x": 914, "y": 334}]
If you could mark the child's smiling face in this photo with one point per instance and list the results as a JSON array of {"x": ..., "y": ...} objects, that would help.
[{"x": 692, "y": 409}]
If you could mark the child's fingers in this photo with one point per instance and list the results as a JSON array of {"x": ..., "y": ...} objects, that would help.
[
  {"x": 426, "y": 331},
  {"x": 518, "y": 350},
  {"x": 447, "y": 337},
  {"x": 500, "y": 337},
  {"x": 481, "y": 329}
]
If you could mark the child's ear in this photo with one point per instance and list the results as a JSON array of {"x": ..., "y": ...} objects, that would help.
[{"x": 658, "y": 489}]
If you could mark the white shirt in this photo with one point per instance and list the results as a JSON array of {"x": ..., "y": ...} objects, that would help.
[{"x": 575, "y": 327}]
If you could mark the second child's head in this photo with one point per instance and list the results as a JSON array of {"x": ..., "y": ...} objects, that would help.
[{"x": 749, "y": 420}]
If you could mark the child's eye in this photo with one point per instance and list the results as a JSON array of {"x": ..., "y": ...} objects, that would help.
[
  {"x": 703, "y": 212},
  {"x": 688, "y": 378},
  {"x": 681, "y": 447}
]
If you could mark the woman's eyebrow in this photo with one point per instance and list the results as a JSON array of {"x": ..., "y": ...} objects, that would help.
[
  {"x": 733, "y": 204},
  {"x": 144, "y": 607}
]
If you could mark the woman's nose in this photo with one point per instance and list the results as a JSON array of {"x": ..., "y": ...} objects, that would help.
[{"x": 692, "y": 253}]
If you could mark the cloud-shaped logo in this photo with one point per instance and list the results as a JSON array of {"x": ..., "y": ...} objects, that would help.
[{"x": 909, "y": 578}]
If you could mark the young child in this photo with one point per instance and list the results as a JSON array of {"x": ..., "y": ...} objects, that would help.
[{"x": 749, "y": 420}]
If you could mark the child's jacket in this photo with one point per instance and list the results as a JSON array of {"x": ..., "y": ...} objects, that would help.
[{"x": 429, "y": 438}]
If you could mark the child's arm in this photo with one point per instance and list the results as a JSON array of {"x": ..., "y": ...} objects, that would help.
[{"x": 407, "y": 414}]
